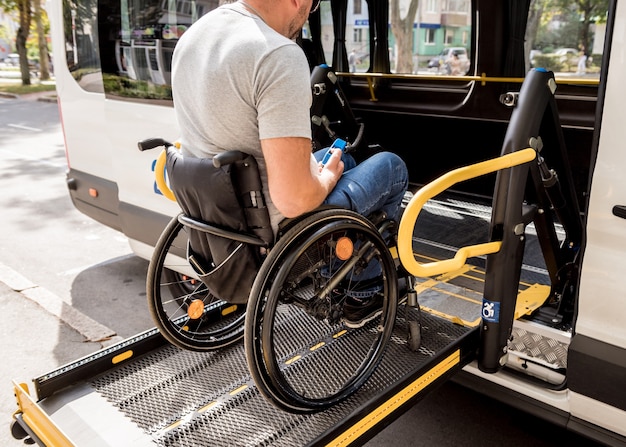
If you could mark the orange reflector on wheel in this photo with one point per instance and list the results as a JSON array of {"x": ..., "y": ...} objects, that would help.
[
  {"x": 344, "y": 248},
  {"x": 195, "y": 309}
]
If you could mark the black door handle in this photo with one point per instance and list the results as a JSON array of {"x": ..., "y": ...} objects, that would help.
[{"x": 620, "y": 211}]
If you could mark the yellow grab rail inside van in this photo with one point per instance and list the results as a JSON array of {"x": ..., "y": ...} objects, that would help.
[{"x": 430, "y": 190}]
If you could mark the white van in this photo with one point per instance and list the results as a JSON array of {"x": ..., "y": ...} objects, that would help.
[{"x": 112, "y": 67}]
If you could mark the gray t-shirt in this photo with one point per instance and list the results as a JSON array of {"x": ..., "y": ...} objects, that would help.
[{"x": 236, "y": 81}]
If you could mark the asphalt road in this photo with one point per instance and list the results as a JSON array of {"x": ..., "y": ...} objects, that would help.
[{"x": 69, "y": 286}]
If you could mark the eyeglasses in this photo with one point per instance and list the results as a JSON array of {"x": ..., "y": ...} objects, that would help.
[{"x": 315, "y": 6}]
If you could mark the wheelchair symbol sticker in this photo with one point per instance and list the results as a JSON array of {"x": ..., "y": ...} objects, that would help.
[{"x": 491, "y": 311}]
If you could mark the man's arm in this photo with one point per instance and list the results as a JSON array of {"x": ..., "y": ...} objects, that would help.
[{"x": 294, "y": 187}]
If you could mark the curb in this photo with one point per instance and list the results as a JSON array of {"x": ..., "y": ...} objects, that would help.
[
  {"x": 41, "y": 96},
  {"x": 84, "y": 325},
  {"x": 8, "y": 95},
  {"x": 51, "y": 98}
]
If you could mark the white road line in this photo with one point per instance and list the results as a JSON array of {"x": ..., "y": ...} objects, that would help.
[{"x": 19, "y": 126}]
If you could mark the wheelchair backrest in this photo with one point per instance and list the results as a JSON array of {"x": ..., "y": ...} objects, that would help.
[{"x": 221, "y": 197}]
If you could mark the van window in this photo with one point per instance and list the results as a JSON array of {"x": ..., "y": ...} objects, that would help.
[
  {"x": 124, "y": 47},
  {"x": 137, "y": 40},
  {"x": 566, "y": 37},
  {"x": 81, "y": 43},
  {"x": 435, "y": 30},
  {"x": 418, "y": 32}
]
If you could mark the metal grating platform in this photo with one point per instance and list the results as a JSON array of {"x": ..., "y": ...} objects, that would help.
[{"x": 182, "y": 398}]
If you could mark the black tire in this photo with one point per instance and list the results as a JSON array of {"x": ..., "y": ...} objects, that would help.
[
  {"x": 415, "y": 336},
  {"x": 301, "y": 355},
  {"x": 184, "y": 311}
]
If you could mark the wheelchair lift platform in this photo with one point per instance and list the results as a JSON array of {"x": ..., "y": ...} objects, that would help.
[
  {"x": 162, "y": 395},
  {"x": 144, "y": 391}
]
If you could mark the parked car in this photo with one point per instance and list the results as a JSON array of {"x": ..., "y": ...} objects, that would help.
[
  {"x": 567, "y": 56},
  {"x": 440, "y": 61},
  {"x": 12, "y": 59}
]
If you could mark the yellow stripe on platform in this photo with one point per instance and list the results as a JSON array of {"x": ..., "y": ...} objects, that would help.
[{"x": 396, "y": 401}]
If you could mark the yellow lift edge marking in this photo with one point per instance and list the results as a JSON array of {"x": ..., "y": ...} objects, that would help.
[
  {"x": 293, "y": 359},
  {"x": 317, "y": 346},
  {"x": 121, "y": 357},
  {"x": 340, "y": 333},
  {"x": 207, "y": 407},
  {"x": 229, "y": 310},
  {"x": 396, "y": 401},
  {"x": 238, "y": 390},
  {"x": 37, "y": 420}
]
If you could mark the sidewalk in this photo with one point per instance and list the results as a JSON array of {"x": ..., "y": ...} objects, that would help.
[
  {"x": 14, "y": 78},
  {"x": 33, "y": 342}
]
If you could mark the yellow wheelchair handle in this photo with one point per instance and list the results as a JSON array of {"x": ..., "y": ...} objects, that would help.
[
  {"x": 159, "y": 174},
  {"x": 430, "y": 190}
]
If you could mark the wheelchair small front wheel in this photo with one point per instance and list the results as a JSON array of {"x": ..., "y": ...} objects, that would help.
[
  {"x": 183, "y": 309},
  {"x": 305, "y": 348}
]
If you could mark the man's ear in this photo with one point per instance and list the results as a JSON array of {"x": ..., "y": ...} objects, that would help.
[{"x": 297, "y": 4}]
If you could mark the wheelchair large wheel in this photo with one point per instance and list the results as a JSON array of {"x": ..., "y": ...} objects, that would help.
[
  {"x": 301, "y": 353},
  {"x": 184, "y": 311}
]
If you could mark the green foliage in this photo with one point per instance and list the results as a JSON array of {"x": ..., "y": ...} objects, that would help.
[
  {"x": 564, "y": 36},
  {"x": 549, "y": 62},
  {"x": 19, "y": 89},
  {"x": 136, "y": 89},
  {"x": 8, "y": 5}
]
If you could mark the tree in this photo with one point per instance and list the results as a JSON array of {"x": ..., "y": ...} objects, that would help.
[
  {"x": 402, "y": 29},
  {"x": 535, "y": 11},
  {"x": 589, "y": 10},
  {"x": 25, "y": 16},
  {"x": 25, "y": 13},
  {"x": 44, "y": 69}
]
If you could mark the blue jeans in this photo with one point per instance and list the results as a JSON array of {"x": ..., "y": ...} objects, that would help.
[{"x": 377, "y": 183}]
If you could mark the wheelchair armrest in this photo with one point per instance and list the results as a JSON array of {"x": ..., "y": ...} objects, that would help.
[{"x": 218, "y": 231}]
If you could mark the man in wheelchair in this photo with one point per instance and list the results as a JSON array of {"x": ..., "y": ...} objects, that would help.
[{"x": 241, "y": 82}]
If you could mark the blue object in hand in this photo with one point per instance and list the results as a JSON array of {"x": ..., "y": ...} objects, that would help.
[{"x": 337, "y": 144}]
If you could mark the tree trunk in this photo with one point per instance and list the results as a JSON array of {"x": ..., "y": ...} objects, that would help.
[
  {"x": 402, "y": 29},
  {"x": 534, "y": 18},
  {"x": 44, "y": 68},
  {"x": 24, "y": 9},
  {"x": 20, "y": 43}
]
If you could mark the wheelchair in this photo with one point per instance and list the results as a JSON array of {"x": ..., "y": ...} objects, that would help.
[
  {"x": 219, "y": 254},
  {"x": 293, "y": 319}
]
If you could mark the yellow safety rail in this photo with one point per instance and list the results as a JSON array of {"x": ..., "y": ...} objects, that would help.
[
  {"x": 427, "y": 192},
  {"x": 483, "y": 79}
]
